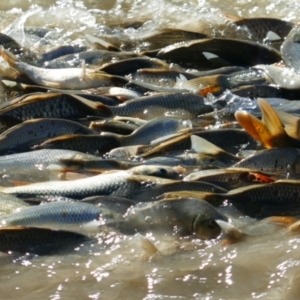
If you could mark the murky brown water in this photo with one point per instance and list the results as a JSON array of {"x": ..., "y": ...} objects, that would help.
[{"x": 264, "y": 266}]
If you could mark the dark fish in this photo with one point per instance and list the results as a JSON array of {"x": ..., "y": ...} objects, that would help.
[
  {"x": 258, "y": 28},
  {"x": 92, "y": 57},
  {"x": 266, "y": 91},
  {"x": 48, "y": 57},
  {"x": 237, "y": 52},
  {"x": 284, "y": 161},
  {"x": 152, "y": 193},
  {"x": 51, "y": 105},
  {"x": 93, "y": 144},
  {"x": 230, "y": 178},
  {"x": 170, "y": 36},
  {"x": 265, "y": 200},
  {"x": 21, "y": 137},
  {"x": 117, "y": 204},
  {"x": 130, "y": 65},
  {"x": 39, "y": 241},
  {"x": 229, "y": 139}
]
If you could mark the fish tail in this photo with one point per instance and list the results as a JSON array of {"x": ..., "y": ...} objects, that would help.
[{"x": 8, "y": 57}]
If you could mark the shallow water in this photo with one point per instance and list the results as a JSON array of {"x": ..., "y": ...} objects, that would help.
[{"x": 263, "y": 266}]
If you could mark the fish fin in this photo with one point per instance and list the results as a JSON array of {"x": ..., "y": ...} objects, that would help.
[
  {"x": 270, "y": 135},
  {"x": 274, "y": 126},
  {"x": 233, "y": 234},
  {"x": 200, "y": 83},
  {"x": 294, "y": 228},
  {"x": 281, "y": 220},
  {"x": 51, "y": 84},
  {"x": 233, "y": 18},
  {"x": 19, "y": 183},
  {"x": 103, "y": 109},
  {"x": 201, "y": 145},
  {"x": 291, "y": 124},
  {"x": 216, "y": 60},
  {"x": 164, "y": 138},
  {"x": 250, "y": 123},
  {"x": 100, "y": 43},
  {"x": 8, "y": 57},
  {"x": 83, "y": 71},
  {"x": 272, "y": 36}
]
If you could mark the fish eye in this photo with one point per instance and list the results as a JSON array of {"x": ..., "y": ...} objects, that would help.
[
  {"x": 162, "y": 171},
  {"x": 211, "y": 224}
]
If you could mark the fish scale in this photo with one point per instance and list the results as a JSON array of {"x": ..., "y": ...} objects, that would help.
[
  {"x": 50, "y": 105},
  {"x": 108, "y": 184},
  {"x": 149, "y": 107}
]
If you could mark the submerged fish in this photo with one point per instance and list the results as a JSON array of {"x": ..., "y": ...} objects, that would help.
[
  {"x": 41, "y": 241},
  {"x": 184, "y": 216}
]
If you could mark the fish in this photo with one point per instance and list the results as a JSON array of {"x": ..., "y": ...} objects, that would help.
[
  {"x": 93, "y": 144},
  {"x": 160, "y": 77},
  {"x": 91, "y": 57},
  {"x": 290, "y": 49},
  {"x": 270, "y": 132},
  {"x": 10, "y": 204},
  {"x": 183, "y": 105},
  {"x": 37, "y": 164},
  {"x": 230, "y": 178},
  {"x": 127, "y": 66},
  {"x": 40, "y": 241},
  {"x": 70, "y": 78},
  {"x": 281, "y": 161},
  {"x": 57, "y": 52},
  {"x": 170, "y": 36},
  {"x": 119, "y": 183},
  {"x": 153, "y": 192},
  {"x": 61, "y": 215},
  {"x": 23, "y": 136},
  {"x": 235, "y": 52},
  {"x": 258, "y": 28},
  {"x": 280, "y": 76},
  {"x": 184, "y": 216},
  {"x": 51, "y": 105},
  {"x": 280, "y": 198}
]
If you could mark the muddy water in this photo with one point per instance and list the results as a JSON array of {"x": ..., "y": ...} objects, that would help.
[{"x": 264, "y": 266}]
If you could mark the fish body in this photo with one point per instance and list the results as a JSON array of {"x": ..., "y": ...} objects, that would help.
[
  {"x": 51, "y": 105},
  {"x": 183, "y": 105},
  {"x": 190, "y": 216},
  {"x": 282, "y": 161},
  {"x": 31, "y": 132},
  {"x": 54, "y": 215},
  {"x": 70, "y": 78},
  {"x": 265, "y": 200},
  {"x": 39, "y": 241},
  {"x": 109, "y": 184}
]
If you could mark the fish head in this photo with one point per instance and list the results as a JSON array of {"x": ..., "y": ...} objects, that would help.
[{"x": 205, "y": 227}]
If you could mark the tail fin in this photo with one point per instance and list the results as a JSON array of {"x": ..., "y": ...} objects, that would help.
[{"x": 8, "y": 57}]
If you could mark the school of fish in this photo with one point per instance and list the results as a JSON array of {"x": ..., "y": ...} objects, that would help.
[{"x": 156, "y": 136}]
